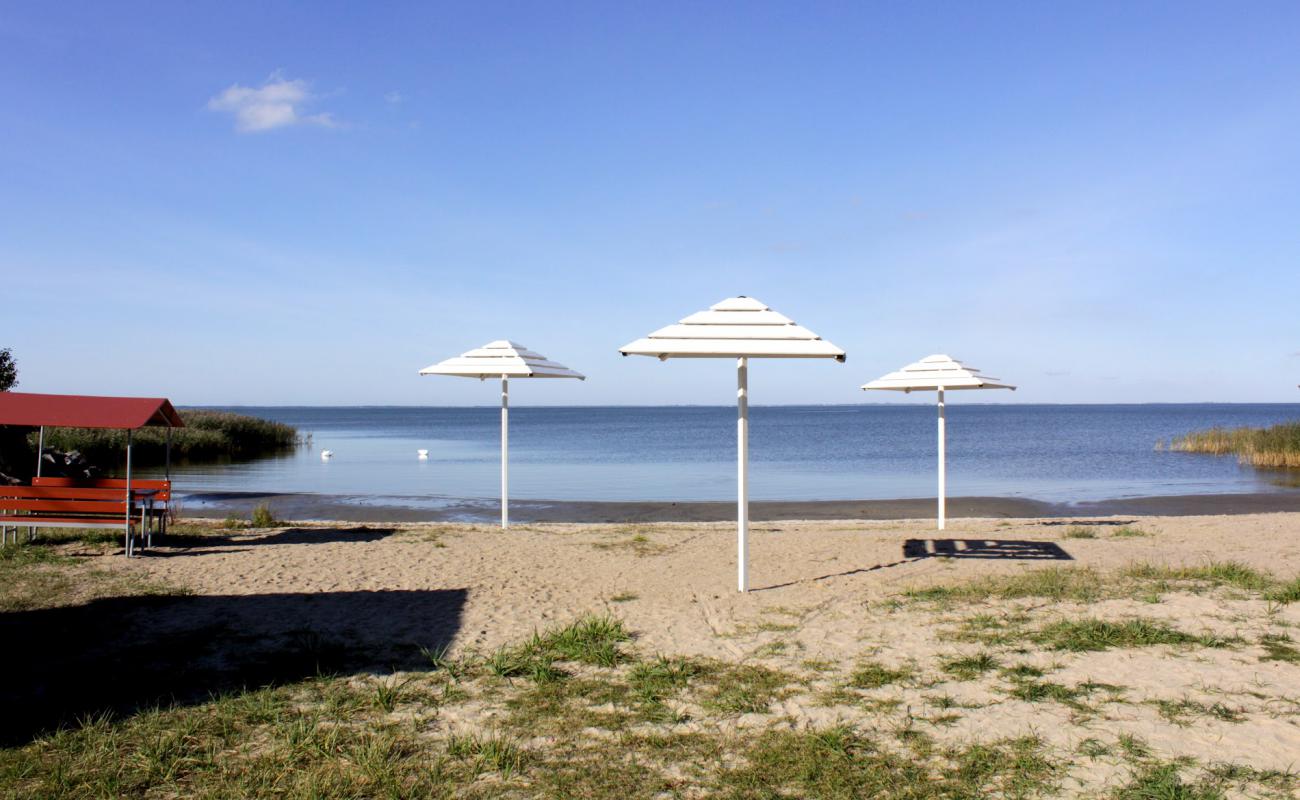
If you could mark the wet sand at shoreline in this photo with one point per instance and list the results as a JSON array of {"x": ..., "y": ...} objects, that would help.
[{"x": 305, "y": 506}]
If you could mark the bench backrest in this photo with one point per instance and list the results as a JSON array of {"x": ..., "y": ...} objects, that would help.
[
  {"x": 162, "y": 487},
  {"x": 63, "y": 500}
]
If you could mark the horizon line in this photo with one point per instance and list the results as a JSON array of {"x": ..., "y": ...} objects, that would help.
[{"x": 752, "y": 405}]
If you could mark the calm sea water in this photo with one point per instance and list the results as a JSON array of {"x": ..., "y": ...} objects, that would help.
[{"x": 1049, "y": 452}]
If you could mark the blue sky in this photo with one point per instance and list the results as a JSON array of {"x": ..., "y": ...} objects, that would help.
[{"x": 306, "y": 203}]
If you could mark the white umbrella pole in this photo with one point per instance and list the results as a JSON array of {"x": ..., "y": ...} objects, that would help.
[
  {"x": 505, "y": 451},
  {"x": 742, "y": 460},
  {"x": 943, "y": 468}
]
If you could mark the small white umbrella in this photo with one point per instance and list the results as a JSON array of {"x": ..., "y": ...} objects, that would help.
[
  {"x": 741, "y": 328},
  {"x": 506, "y": 360},
  {"x": 938, "y": 373}
]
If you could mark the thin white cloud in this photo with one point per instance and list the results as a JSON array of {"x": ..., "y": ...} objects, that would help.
[
  {"x": 393, "y": 98},
  {"x": 277, "y": 103}
]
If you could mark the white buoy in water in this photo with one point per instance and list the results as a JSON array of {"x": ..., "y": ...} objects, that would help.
[
  {"x": 423, "y": 454},
  {"x": 326, "y": 455}
]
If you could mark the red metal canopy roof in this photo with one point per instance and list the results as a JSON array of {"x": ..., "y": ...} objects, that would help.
[{"x": 82, "y": 411}]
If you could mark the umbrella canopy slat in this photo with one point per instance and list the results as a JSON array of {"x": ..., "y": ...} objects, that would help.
[
  {"x": 681, "y": 331},
  {"x": 739, "y": 327},
  {"x": 936, "y": 372},
  {"x": 734, "y": 348},
  {"x": 498, "y": 358},
  {"x": 715, "y": 317}
]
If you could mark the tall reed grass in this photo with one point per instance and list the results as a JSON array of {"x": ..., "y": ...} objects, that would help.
[
  {"x": 207, "y": 436},
  {"x": 1277, "y": 446}
]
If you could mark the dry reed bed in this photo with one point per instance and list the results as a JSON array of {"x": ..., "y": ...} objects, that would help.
[{"x": 1274, "y": 447}]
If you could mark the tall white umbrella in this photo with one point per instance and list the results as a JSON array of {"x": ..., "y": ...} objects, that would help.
[
  {"x": 741, "y": 328},
  {"x": 506, "y": 360},
  {"x": 938, "y": 373}
]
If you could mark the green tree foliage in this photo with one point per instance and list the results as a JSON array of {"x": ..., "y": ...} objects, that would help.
[{"x": 8, "y": 370}]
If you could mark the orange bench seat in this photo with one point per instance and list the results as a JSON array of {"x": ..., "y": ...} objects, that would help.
[{"x": 75, "y": 507}]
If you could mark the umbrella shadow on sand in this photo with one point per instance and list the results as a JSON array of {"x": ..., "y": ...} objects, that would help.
[
  {"x": 917, "y": 549},
  {"x": 1017, "y": 549},
  {"x": 124, "y": 654}
]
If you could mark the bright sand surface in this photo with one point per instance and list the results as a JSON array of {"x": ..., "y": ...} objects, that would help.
[
  {"x": 823, "y": 592},
  {"x": 826, "y": 591}
]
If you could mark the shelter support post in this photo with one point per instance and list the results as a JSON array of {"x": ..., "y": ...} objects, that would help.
[
  {"x": 742, "y": 461},
  {"x": 943, "y": 466},
  {"x": 167, "y": 474},
  {"x": 127, "y": 525},
  {"x": 505, "y": 451},
  {"x": 40, "y": 450}
]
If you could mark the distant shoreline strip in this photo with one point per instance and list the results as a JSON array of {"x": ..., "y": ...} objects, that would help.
[{"x": 341, "y": 508}]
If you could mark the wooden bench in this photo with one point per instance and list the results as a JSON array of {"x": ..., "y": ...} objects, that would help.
[
  {"x": 76, "y": 507},
  {"x": 162, "y": 496}
]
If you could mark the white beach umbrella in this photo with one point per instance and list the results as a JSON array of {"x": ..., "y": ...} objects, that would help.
[
  {"x": 505, "y": 360},
  {"x": 937, "y": 373},
  {"x": 741, "y": 328}
]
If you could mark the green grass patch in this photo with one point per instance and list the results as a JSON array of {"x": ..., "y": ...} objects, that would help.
[
  {"x": 1022, "y": 671},
  {"x": 591, "y": 640},
  {"x": 639, "y": 543},
  {"x": 654, "y": 682},
  {"x": 1278, "y": 647},
  {"x": 255, "y": 744},
  {"x": 1087, "y": 585},
  {"x": 968, "y": 668},
  {"x": 990, "y": 629},
  {"x": 25, "y": 554},
  {"x": 1039, "y": 691},
  {"x": 1181, "y": 711},
  {"x": 1092, "y": 634},
  {"x": 1079, "y": 532},
  {"x": 1215, "y": 573},
  {"x": 1082, "y": 584},
  {"x": 486, "y": 754},
  {"x": 772, "y": 649},
  {"x": 1093, "y": 747},
  {"x": 263, "y": 517},
  {"x": 1284, "y": 593},
  {"x": 1036, "y": 691},
  {"x": 1277, "y": 783},
  {"x": 1128, "y": 532},
  {"x": 1163, "y": 782},
  {"x": 31, "y": 574},
  {"x": 840, "y": 762},
  {"x": 746, "y": 688},
  {"x": 873, "y": 675},
  {"x": 39, "y": 575}
]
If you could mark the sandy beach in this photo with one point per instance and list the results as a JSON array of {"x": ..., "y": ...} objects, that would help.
[
  {"x": 1107, "y": 647},
  {"x": 829, "y": 596}
]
